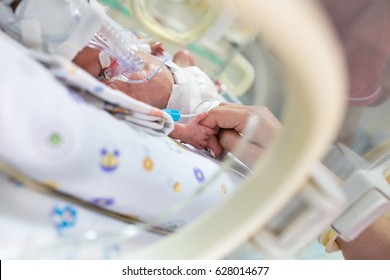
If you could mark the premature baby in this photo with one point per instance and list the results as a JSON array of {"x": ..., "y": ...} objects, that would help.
[{"x": 179, "y": 84}]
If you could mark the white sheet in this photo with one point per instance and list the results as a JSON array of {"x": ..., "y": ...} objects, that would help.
[{"x": 50, "y": 133}]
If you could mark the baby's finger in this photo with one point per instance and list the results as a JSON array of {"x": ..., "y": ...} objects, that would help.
[
  {"x": 208, "y": 131},
  {"x": 228, "y": 116}
]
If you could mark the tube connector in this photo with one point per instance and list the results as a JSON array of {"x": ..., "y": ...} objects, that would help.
[{"x": 175, "y": 114}]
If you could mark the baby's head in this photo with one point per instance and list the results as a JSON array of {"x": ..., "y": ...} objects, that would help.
[{"x": 155, "y": 92}]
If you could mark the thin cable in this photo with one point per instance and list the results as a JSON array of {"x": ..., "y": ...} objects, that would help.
[
  {"x": 125, "y": 79},
  {"x": 197, "y": 107}
]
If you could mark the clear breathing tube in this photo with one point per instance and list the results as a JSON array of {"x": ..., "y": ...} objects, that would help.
[
  {"x": 108, "y": 40},
  {"x": 123, "y": 78}
]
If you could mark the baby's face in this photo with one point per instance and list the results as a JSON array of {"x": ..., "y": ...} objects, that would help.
[
  {"x": 88, "y": 59},
  {"x": 155, "y": 92}
]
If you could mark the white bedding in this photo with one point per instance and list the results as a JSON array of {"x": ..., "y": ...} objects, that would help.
[{"x": 52, "y": 134}]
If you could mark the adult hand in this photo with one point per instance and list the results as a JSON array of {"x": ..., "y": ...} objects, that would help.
[{"x": 256, "y": 126}]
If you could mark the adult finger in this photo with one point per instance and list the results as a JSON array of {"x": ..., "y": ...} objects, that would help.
[
  {"x": 257, "y": 124},
  {"x": 214, "y": 145},
  {"x": 228, "y": 116},
  {"x": 246, "y": 151},
  {"x": 262, "y": 127}
]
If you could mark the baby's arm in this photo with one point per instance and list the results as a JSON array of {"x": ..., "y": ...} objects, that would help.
[{"x": 192, "y": 132}]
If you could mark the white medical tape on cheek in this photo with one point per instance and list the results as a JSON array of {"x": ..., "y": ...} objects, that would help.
[{"x": 104, "y": 59}]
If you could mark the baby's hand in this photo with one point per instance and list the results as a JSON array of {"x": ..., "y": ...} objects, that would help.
[
  {"x": 218, "y": 86},
  {"x": 196, "y": 134},
  {"x": 157, "y": 48}
]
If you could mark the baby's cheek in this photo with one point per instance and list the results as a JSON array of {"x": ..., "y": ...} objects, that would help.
[
  {"x": 88, "y": 59},
  {"x": 119, "y": 86}
]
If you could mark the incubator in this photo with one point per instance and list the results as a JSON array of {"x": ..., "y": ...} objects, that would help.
[{"x": 96, "y": 185}]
